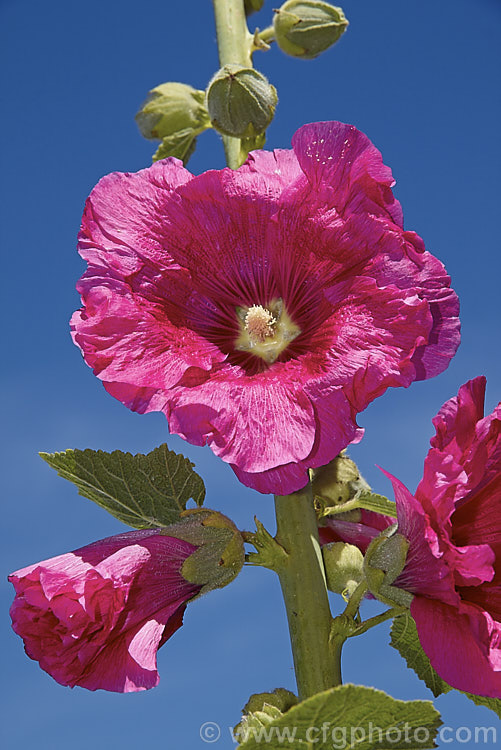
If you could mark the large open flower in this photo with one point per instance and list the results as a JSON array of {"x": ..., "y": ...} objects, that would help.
[
  {"x": 261, "y": 309},
  {"x": 96, "y": 617}
]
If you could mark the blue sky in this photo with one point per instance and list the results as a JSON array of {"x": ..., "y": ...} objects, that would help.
[{"x": 422, "y": 80}]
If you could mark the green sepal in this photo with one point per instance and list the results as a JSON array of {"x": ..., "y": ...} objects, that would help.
[
  {"x": 384, "y": 561},
  {"x": 269, "y": 553},
  {"x": 329, "y": 717},
  {"x": 181, "y": 145},
  {"x": 220, "y": 554},
  {"x": 143, "y": 491}
]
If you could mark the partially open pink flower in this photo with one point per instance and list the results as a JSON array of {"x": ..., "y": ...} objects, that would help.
[
  {"x": 96, "y": 617},
  {"x": 458, "y": 506},
  {"x": 261, "y": 309},
  {"x": 453, "y": 526}
]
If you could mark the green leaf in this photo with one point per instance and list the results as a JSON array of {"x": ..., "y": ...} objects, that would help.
[
  {"x": 143, "y": 491},
  {"x": 404, "y": 638},
  {"x": 493, "y": 703},
  {"x": 346, "y": 716}
]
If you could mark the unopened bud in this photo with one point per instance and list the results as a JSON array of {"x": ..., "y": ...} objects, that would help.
[
  {"x": 220, "y": 554},
  {"x": 336, "y": 483},
  {"x": 241, "y": 102},
  {"x": 261, "y": 709},
  {"x": 305, "y": 28},
  {"x": 175, "y": 113},
  {"x": 343, "y": 567},
  {"x": 170, "y": 108}
]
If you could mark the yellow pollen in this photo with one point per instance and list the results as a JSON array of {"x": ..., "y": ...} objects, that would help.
[
  {"x": 259, "y": 323},
  {"x": 265, "y": 332}
]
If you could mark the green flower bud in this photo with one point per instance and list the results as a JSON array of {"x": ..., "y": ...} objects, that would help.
[
  {"x": 241, "y": 102},
  {"x": 220, "y": 554},
  {"x": 305, "y": 28},
  {"x": 261, "y": 709},
  {"x": 170, "y": 108},
  {"x": 176, "y": 114},
  {"x": 252, "y": 6},
  {"x": 336, "y": 483},
  {"x": 343, "y": 567}
]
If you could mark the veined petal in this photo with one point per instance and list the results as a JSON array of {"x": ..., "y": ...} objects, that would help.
[
  {"x": 313, "y": 238},
  {"x": 462, "y": 645}
]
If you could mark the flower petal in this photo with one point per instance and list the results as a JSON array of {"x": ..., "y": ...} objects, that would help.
[
  {"x": 346, "y": 169},
  {"x": 122, "y": 225},
  {"x": 425, "y": 571},
  {"x": 461, "y": 645}
]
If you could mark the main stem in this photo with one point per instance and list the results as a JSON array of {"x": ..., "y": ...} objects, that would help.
[
  {"x": 302, "y": 577},
  {"x": 234, "y": 44}
]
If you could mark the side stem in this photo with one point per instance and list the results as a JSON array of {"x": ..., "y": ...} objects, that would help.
[
  {"x": 234, "y": 44},
  {"x": 304, "y": 589}
]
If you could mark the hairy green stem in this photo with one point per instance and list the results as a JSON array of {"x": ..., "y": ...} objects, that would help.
[
  {"x": 377, "y": 620},
  {"x": 234, "y": 44},
  {"x": 267, "y": 35},
  {"x": 355, "y": 600},
  {"x": 304, "y": 589}
]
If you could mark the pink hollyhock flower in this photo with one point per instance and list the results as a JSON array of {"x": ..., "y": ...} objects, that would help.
[
  {"x": 96, "y": 617},
  {"x": 453, "y": 526},
  {"x": 456, "y": 516},
  {"x": 261, "y": 309}
]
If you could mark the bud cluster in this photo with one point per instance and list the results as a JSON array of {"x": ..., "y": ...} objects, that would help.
[{"x": 239, "y": 101}]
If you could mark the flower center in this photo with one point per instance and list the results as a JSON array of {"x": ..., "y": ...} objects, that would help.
[
  {"x": 259, "y": 323},
  {"x": 265, "y": 331}
]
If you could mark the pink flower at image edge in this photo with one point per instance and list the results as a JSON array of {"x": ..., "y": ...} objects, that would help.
[
  {"x": 95, "y": 617},
  {"x": 262, "y": 309},
  {"x": 453, "y": 526}
]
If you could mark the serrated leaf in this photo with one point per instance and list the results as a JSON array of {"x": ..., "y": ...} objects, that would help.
[
  {"x": 349, "y": 714},
  {"x": 405, "y": 639},
  {"x": 143, "y": 491},
  {"x": 493, "y": 703}
]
